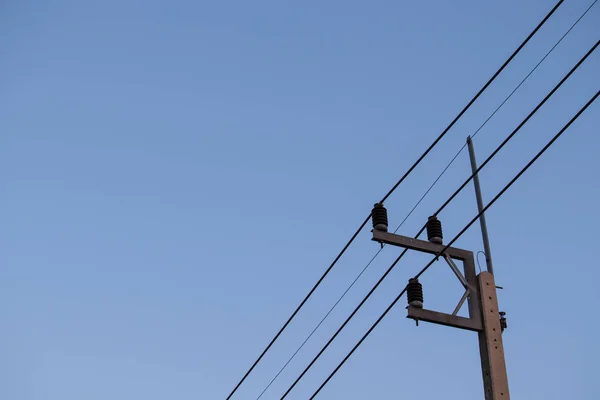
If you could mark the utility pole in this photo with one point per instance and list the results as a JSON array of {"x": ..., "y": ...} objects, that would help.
[
  {"x": 492, "y": 358},
  {"x": 480, "y": 293},
  {"x": 482, "y": 221}
]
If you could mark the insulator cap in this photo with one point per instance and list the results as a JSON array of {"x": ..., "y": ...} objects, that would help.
[
  {"x": 414, "y": 292},
  {"x": 434, "y": 230},
  {"x": 379, "y": 217}
]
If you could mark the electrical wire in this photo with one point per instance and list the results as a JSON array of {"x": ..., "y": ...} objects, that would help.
[
  {"x": 497, "y": 109},
  {"x": 514, "y": 132},
  {"x": 298, "y": 308},
  {"x": 477, "y": 257},
  {"x": 319, "y": 324},
  {"x": 508, "y": 138},
  {"x": 472, "y": 101},
  {"x": 529, "y": 164},
  {"x": 343, "y": 325},
  {"x": 398, "y": 183}
]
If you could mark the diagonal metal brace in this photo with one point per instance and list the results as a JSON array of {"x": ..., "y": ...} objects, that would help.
[
  {"x": 456, "y": 271},
  {"x": 461, "y": 301}
]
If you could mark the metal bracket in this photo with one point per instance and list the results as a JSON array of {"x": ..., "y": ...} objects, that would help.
[
  {"x": 421, "y": 314},
  {"x": 468, "y": 280},
  {"x": 419, "y": 245}
]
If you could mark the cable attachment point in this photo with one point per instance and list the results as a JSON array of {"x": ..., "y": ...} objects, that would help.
[
  {"x": 379, "y": 217},
  {"x": 503, "y": 324},
  {"x": 434, "y": 230}
]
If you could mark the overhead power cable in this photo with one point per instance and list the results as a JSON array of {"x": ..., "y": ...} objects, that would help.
[
  {"x": 495, "y": 111},
  {"x": 318, "y": 325},
  {"x": 529, "y": 164},
  {"x": 508, "y": 138},
  {"x": 398, "y": 183},
  {"x": 489, "y": 82},
  {"x": 514, "y": 132}
]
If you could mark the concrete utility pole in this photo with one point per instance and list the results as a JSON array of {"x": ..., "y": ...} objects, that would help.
[
  {"x": 485, "y": 317},
  {"x": 492, "y": 356}
]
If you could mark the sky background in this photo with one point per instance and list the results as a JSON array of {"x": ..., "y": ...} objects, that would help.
[{"x": 177, "y": 175}]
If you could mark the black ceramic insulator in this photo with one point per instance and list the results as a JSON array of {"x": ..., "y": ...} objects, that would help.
[
  {"x": 414, "y": 292},
  {"x": 379, "y": 217},
  {"x": 434, "y": 230}
]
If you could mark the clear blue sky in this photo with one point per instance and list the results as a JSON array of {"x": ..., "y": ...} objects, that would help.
[{"x": 177, "y": 175}]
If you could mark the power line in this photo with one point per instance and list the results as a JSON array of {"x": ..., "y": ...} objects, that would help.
[
  {"x": 472, "y": 101},
  {"x": 298, "y": 308},
  {"x": 509, "y": 137},
  {"x": 358, "y": 344},
  {"x": 398, "y": 183},
  {"x": 529, "y": 164},
  {"x": 514, "y": 132},
  {"x": 319, "y": 324},
  {"x": 342, "y": 326},
  {"x": 513, "y": 180},
  {"x": 496, "y": 110}
]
